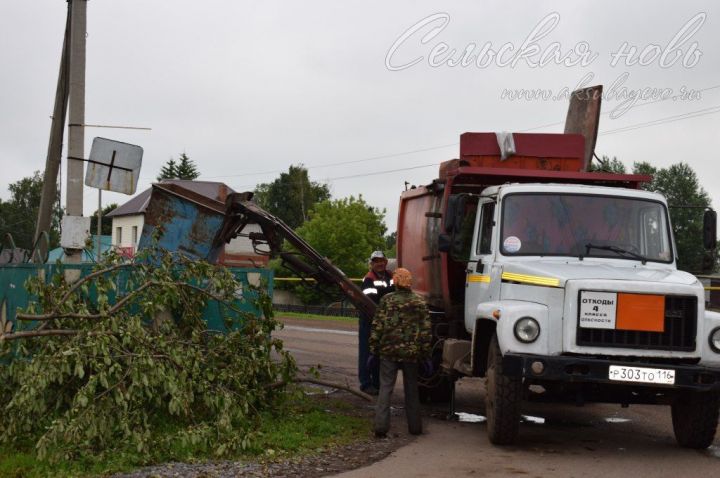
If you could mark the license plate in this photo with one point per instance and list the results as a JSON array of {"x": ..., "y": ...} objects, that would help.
[{"x": 641, "y": 375}]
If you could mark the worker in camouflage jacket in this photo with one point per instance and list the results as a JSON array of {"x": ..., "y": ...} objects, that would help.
[{"x": 401, "y": 337}]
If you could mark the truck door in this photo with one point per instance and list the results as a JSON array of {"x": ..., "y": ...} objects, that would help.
[{"x": 482, "y": 279}]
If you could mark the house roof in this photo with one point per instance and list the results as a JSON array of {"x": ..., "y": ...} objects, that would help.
[{"x": 139, "y": 203}]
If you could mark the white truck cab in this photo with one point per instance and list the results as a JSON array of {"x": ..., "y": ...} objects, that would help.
[{"x": 575, "y": 288}]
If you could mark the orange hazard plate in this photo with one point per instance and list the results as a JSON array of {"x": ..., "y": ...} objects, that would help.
[{"x": 641, "y": 312}]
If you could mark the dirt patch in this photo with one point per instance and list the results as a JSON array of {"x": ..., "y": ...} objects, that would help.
[{"x": 322, "y": 462}]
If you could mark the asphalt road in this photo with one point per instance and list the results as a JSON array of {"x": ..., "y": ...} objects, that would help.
[{"x": 556, "y": 440}]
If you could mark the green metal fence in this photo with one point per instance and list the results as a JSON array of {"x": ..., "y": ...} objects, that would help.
[{"x": 13, "y": 294}]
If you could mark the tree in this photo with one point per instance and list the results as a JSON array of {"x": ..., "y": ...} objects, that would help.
[
  {"x": 680, "y": 185},
  {"x": 184, "y": 168},
  {"x": 106, "y": 223},
  {"x": 346, "y": 231},
  {"x": 391, "y": 245},
  {"x": 18, "y": 216},
  {"x": 292, "y": 196},
  {"x": 168, "y": 171},
  {"x": 133, "y": 365},
  {"x": 608, "y": 165}
]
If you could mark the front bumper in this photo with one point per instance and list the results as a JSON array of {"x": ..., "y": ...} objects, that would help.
[{"x": 579, "y": 370}]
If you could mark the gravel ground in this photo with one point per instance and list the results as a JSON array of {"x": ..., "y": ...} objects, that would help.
[{"x": 323, "y": 462}]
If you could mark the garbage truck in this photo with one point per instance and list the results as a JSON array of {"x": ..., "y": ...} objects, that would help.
[
  {"x": 551, "y": 281},
  {"x": 541, "y": 273}
]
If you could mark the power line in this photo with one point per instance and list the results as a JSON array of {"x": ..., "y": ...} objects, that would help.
[
  {"x": 387, "y": 171},
  {"x": 342, "y": 163},
  {"x": 431, "y": 148},
  {"x": 661, "y": 121},
  {"x": 657, "y": 122},
  {"x": 646, "y": 124},
  {"x": 629, "y": 108}
]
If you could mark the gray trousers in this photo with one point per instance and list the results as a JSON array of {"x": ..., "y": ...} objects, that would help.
[{"x": 388, "y": 375}]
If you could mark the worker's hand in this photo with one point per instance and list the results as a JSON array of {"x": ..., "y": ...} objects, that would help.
[
  {"x": 373, "y": 361},
  {"x": 427, "y": 368}
]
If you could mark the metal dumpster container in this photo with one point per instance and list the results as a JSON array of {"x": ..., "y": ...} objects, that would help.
[
  {"x": 188, "y": 221},
  {"x": 13, "y": 294}
]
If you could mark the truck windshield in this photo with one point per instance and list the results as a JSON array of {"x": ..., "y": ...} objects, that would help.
[{"x": 583, "y": 225}]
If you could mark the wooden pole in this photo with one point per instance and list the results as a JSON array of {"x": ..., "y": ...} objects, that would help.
[{"x": 54, "y": 152}]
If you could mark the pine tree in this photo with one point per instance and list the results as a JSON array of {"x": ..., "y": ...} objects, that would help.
[
  {"x": 168, "y": 171},
  {"x": 186, "y": 168}
]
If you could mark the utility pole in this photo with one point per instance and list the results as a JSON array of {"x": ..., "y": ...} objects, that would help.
[
  {"x": 76, "y": 128},
  {"x": 54, "y": 153}
]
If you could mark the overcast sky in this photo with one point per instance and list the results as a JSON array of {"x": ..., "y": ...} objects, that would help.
[{"x": 248, "y": 88}]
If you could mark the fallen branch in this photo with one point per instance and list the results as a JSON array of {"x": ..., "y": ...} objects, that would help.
[
  {"x": 91, "y": 276},
  {"x": 37, "y": 333},
  {"x": 72, "y": 315},
  {"x": 46, "y": 333},
  {"x": 339, "y": 386},
  {"x": 121, "y": 303}
]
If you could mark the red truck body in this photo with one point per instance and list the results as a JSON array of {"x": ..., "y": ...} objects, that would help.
[{"x": 539, "y": 158}]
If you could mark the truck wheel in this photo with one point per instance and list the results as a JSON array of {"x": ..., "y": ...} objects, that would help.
[
  {"x": 695, "y": 418},
  {"x": 502, "y": 401}
]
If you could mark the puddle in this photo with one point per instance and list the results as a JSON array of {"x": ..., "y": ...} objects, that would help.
[
  {"x": 616, "y": 420},
  {"x": 531, "y": 419},
  {"x": 714, "y": 451},
  {"x": 470, "y": 418}
]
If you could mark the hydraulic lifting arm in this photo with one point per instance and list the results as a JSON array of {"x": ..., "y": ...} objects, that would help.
[{"x": 304, "y": 260}]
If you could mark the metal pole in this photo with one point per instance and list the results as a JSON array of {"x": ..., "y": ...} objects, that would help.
[
  {"x": 76, "y": 135},
  {"x": 99, "y": 224},
  {"x": 52, "y": 162}
]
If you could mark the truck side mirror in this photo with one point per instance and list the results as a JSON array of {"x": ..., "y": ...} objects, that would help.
[
  {"x": 710, "y": 229},
  {"x": 454, "y": 213},
  {"x": 444, "y": 242}
]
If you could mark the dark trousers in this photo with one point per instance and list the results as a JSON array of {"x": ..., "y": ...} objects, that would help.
[
  {"x": 388, "y": 375},
  {"x": 368, "y": 375}
]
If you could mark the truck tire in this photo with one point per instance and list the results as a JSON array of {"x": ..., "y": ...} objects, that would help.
[
  {"x": 502, "y": 400},
  {"x": 695, "y": 419}
]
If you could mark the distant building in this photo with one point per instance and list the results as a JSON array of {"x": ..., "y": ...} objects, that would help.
[{"x": 129, "y": 218}]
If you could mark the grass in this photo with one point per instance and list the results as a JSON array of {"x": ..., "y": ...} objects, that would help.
[
  {"x": 300, "y": 428},
  {"x": 333, "y": 318},
  {"x": 312, "y": 430}
]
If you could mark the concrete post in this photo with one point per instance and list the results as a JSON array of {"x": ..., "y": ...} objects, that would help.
[{"x": 76, "y": 129}]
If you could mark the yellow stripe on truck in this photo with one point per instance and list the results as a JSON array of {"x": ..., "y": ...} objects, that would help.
[
  {"x": 478, "y": 278},
  {"x": 528, "y": 279}
]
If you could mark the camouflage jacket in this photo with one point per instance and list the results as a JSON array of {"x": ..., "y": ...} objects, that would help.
[{"x": 401, "y": 330}]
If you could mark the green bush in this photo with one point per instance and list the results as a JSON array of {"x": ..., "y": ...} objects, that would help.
[{"x": 140, "y": 371}]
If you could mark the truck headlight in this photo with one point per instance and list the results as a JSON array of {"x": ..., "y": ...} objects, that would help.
[
  {"x": 527, "y": 330},
  {"x": 714, "y": 340}
]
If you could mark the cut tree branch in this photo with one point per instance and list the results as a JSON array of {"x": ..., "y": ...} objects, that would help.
[
  {"x": 119, "y": 304},
  {"x": 37, "y": 333},
  {"x": 338, "y": 386}
]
